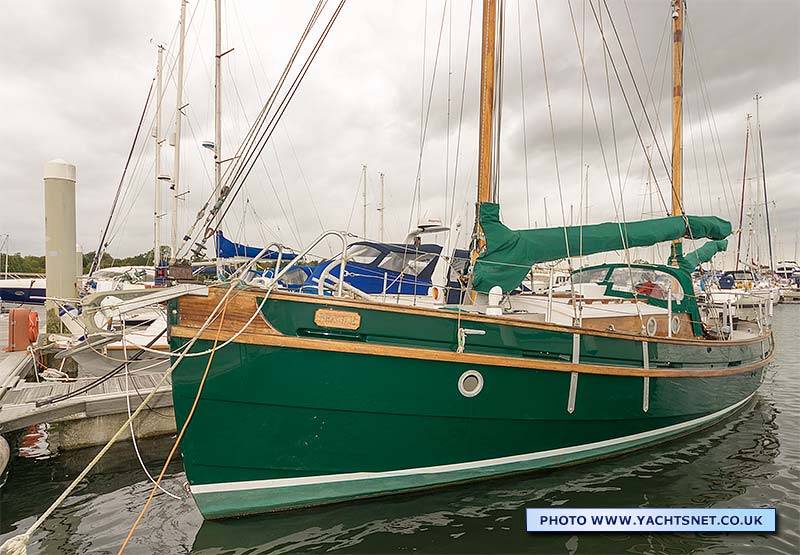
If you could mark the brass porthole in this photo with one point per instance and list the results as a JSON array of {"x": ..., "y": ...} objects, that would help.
[
  {"x": 470, "y": 383},
  {"x": 652, "y": 326},
  {"x": 676, "y": 324}
]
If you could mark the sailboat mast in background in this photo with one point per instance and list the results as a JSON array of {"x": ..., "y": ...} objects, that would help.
[
  {"x": 218, "y": 105},
  {"x": 364, "y": 199},
  {"x": 157, "y": 171},
  {"x": 177, "y": 155},
  {"x": 744, "y": 182},
  {"x": 218, "y": 119},
  {"x": 383, "y": 206},
  {"x": 761, "y": 172}
]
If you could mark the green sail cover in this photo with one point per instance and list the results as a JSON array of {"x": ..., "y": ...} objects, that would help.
[
  {"x": 510, "y": 254},
  {"x": 705, "y": 253}
]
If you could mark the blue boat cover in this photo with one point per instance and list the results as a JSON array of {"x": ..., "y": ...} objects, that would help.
[{"x": 225, "y": 248}]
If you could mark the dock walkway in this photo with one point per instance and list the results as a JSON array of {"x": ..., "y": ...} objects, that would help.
[
  {"x": 93, "y": 414},
  {"x": 18, "y": 408}
]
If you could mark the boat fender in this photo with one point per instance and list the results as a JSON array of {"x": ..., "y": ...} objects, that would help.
[
  {"x": 33, "y": 326},
  {"x": 5, "y": 454}
]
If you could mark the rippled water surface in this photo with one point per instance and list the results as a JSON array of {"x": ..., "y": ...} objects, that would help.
[{"x": 748, "y": 461}]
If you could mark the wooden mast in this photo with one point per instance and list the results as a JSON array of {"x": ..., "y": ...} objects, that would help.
[
  {"x": 677, "y": 124},
  {"x": 486, "y": 120},
  {"x": 487, "y": 101}
]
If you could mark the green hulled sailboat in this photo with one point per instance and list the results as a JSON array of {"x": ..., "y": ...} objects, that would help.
[{"x": 313, "y": 399}]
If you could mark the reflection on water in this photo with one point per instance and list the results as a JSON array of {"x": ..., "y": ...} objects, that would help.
[
  {"x": 724, "y": 463},
  {"x": 34, "y": 443},
  {"x": 748, "y": 461}
]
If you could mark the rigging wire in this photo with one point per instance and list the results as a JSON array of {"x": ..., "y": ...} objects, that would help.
[
  {"x": 259, "y": 134},
  {"x": 245, "y": 29},
  {"x": 246, "y": 163},
  {"x": 424, "y": 126},
  {"x": 583, "y": 200},
  {"x": 704, "y": 95},
  {"x": 613, "y": 124},
  {"x": 447, "y": 133},
  {"x": 460, "y": 125},
  {"x": 250, "y": 138},
  {"x": 112, "y": 215},
  {"x": 555, "y": 157},
  {"x": 102, "y": 246},
  {"x": 649, "y": 81},
  {"x": 524, "y": 120},
  {"x": 289, "y": 221},
  {"x": 650, "y": 96},
  {"x": 600, "y": 140},
  {"x": 498, "y": 98},
  {"x": 695, "y": 158},
  {"x": 622, "y": 89},
  {"x": 417, "y": 192}
]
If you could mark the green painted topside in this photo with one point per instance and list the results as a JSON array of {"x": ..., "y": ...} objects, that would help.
[
  {"x": 278, "y": 412},
  {"x": 293, "y": 317},
  {"x": 283, "y": 412}
]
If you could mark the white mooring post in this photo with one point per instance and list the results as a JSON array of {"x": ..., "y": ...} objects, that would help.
[{"x": 59, "y": 236}]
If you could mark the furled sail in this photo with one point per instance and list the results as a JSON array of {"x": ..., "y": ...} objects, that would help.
[
  {"x": 226, "y": 248},
  {"x": 705, "y": 253},
  {"x": 510, "y": 254}
]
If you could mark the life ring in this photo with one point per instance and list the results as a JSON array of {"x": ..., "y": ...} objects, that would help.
[{"x": 33, "y": 326}]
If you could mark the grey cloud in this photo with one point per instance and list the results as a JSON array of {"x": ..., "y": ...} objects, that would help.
[{"x": 76, "y": 73}]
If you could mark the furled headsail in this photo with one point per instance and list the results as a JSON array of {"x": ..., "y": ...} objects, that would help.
[
  {"x": 705, "y": 253},
  {"x": 510, "y": 254}
]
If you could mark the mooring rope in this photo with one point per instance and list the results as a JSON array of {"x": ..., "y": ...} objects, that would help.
[
  {"x": 157, "y": 483},
  {"x": 17, "y": 545}
]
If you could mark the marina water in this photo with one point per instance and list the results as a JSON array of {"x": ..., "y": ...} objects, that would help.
[{"x": 751, "y": 460}]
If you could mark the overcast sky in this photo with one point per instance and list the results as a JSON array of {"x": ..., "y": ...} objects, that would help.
[{"x": 75, "y": 76}]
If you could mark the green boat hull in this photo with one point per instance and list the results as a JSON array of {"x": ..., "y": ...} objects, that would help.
[{"x": 281, "y": 427}]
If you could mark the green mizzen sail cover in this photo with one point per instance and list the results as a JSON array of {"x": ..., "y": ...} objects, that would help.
[
  {"x": 705, "y": 253},
  {"x": 510, "y": 254}
]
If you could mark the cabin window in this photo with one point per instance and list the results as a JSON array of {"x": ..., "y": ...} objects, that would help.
[
  {"x": 741, "y": 276},
  {"x": 590, "y": 276},
  {"x": 295, "y": 276},
  {"x": 408, "y": 263},
  {"x": 646, "y": 282},
  {"x": 362, "y": 254},
  {"x": 458, "y": 264}
]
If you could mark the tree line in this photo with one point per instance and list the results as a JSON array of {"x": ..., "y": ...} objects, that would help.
[{"x": 30, "y": 264}]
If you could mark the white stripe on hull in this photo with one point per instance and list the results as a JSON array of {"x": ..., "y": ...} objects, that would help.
[{"x": 332, "y": 478}]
